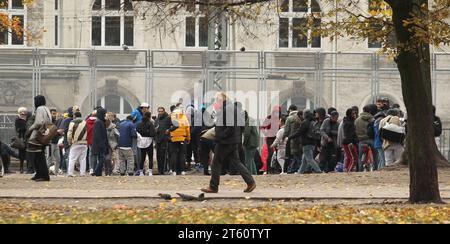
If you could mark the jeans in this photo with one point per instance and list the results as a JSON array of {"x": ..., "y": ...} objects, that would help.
[
  {"x": 54, "y": 158},
  {"x": 381, "y": 160},
  {"x": 250, "y": 160},
  {"x": 308, "y": 160},
  {"x": 228, "y": 153},
  {"x": 295, "y": 162},
  {"x": 92, "y": 160}
]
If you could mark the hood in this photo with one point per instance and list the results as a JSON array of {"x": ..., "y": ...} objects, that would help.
[
  {"x": 101, "y": 113},
  {"x": 308, "y": 114},
  {"x": 293, "y": 112},
  {"x": 380, "y": 115},
  {"x": 39, "y": 101},
  {"x": 348, "y": 113},
  {"x": 366, "y": 116},
  {"x": 322, "y": 112}
]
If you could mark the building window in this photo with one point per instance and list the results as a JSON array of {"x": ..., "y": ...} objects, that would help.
[
  {"x": 116, "y": 104},
  {"x": 374, "y": 8},
  {"x": 293, "y": 28},
  {"x": 14, "y": 10},
  {"x": 112, "y": 23},
  {"x": 196, "y": 27}
]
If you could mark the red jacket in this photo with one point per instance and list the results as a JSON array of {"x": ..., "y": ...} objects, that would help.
[{"x": 90, "y": 126}]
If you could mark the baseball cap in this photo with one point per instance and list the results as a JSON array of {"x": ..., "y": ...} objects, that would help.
[{"x": 145, "y": 105}]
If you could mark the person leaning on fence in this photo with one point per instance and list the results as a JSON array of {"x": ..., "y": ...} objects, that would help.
[{"x": 77, "y": 139}]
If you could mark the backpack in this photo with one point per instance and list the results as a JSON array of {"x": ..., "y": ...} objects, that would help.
[
  {"x": 371, "y": 130},
  {"x": 437, "y": 126}
]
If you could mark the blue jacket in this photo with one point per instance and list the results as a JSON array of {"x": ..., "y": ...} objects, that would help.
[
  {"x": 137, "y": 116},
  {"x": 378, "y": 144},
  {"x": 127, "y": 133}
]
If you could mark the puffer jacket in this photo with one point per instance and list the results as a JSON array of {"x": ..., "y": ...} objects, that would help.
[{"x": 180, "y": 131}]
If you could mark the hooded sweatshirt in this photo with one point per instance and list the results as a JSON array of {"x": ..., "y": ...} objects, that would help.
[
  {"x": 349, "y": 129},
  {"x": 361, "y": 124},
  {"x": 304, "y": 131},
  {"x": 99, "y": 135},
  {"x": 41, "y": 118}
]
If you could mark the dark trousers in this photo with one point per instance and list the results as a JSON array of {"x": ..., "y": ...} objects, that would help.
[
  {"x": 6, "y": 160},
  {"x": 161, "y": 157},
  {"x": 206, "y": 147},
  {"x": 144, "y": 152},
  {"x": 38, "y": 160},
  {"x": 269, "y": 142},
  {"x": 100, "y": 161},
  {"x": 192, "y": 149},
  {"x": 328, "y": 157},
  {"x": 177, "y": 152},
  {"x": 228, "y": 154}
]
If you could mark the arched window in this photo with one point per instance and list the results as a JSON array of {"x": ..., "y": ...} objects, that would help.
[
  {"x": 293, "y": 22},
  {"x": 112, "y": 23},
  {"x": 14, "y": 10},
  {"x": 116, "y": 104}
]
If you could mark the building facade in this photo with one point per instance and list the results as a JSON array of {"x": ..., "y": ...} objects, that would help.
[{"x": 107, "y": 52}]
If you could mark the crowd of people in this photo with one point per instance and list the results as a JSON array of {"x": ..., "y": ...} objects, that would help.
[{"x": 187, "y": 139}]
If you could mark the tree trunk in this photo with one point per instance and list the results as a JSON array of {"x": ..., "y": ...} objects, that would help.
[{"x": 414, "y": 67}]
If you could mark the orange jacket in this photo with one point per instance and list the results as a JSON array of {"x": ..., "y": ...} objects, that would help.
[{"x": 182, "y": 133}]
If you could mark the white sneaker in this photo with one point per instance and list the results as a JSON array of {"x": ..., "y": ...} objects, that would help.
[
  {"x": 170, "y": 172},
  {"x": 91, "y": 171},
  {"x": 141, "y": 173},
  {"x": 183, "y": 173},
  {"x": 174, "y": 173},
  {"x": 150, "y": 172}
]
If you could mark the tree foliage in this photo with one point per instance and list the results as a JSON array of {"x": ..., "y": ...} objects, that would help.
[{"x": 12, "y": 25}]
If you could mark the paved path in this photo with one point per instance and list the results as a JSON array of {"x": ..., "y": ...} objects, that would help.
[{"x": 374, "y": 185}]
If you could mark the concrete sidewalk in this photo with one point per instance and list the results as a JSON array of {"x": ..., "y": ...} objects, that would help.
[{"x": 258, "y": 194}]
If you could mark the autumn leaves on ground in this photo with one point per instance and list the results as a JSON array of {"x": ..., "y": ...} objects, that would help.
[
  {"x": 245, "y": 213},
  {"x": 366, "y": 206}
]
